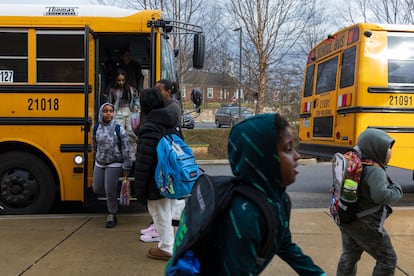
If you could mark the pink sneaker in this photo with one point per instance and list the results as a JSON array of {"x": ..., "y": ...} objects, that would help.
[
  {"x": 148, "y": 230},
  {"x": 151, "y": 236},
  {"x": 146, "y": 238}
]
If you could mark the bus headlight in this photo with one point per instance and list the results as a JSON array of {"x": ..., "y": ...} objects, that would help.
[{"x": 78, "y": 159}]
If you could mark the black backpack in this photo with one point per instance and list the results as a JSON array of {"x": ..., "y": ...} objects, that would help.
[{"x": 210, "y": 199}]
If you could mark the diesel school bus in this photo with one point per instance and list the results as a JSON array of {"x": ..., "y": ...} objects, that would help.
[
  {"x": 50, "y": 60},
  {"x": 360, "y": 77}
]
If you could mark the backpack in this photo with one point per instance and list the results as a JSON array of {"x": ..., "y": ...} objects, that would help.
[
  {"x": 117, "y": 131},
  {"x": 176, "y": 170},
  {"x": 347, "y": 171},
  {"x": 211, "y": 198}
]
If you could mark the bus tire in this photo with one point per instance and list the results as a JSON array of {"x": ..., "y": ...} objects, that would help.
[{"x": 27, "y": 185}]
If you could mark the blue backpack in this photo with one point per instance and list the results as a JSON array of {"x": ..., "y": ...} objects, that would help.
[{"x": 176, "y": 170}]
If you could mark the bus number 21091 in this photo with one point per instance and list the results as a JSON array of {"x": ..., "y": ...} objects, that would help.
[
  {"x": 401, "y": 100},
  {"x": 43, "y": 104}
]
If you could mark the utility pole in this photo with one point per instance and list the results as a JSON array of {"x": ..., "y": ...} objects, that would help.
[{"x": 240, "y": 65}]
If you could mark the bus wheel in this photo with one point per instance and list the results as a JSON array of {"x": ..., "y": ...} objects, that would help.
[{"x": 26, "y": 184}]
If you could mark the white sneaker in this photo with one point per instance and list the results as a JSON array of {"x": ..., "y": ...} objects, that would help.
[
  {"x": 148, "y": 230},
  {"x": 146, "y": 238}
]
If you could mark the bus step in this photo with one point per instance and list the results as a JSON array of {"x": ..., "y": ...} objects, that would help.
[{"x": 103, "y": 198}]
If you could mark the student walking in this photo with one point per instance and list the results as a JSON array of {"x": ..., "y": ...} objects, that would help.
[
  {"x": 261, "y": 155},
  {"x": 112, "y": 160},
  {"x": 158, "y": 120},
  {"x": 376, "y": 191}
]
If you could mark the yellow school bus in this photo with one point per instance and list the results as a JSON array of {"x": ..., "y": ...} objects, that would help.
[
  {"x": 360, "y": 77},
  {"x": 51, "y": 83}
]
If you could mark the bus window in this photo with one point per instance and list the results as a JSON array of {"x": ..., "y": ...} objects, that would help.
[
  {"x": 400, "y": 59},
  {"x": 309, "y": 81},
  {"x": 60, "y": 56},
  {"x": 348, "y": 68},
  {"x": 322, "y": 126},
  {"x": 13, "y": 56},
  {"x": 327, "y": 75}
]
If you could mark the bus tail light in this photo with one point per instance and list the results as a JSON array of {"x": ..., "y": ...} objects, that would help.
[
  {"x": 338, "y": 135},
  {"x": 306, "y": 106},
  {"x": 344, "y": 100}
]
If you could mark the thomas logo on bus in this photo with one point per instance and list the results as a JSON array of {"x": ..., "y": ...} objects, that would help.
[{"x": 61, "y": 11}]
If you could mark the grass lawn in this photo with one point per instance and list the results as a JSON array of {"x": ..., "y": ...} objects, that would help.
[{"x": 216, "y": 138}]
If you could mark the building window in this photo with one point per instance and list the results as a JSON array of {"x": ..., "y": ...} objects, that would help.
[
  {"x": 222, "y": 94},
  {"x": 210, "y": 93}
]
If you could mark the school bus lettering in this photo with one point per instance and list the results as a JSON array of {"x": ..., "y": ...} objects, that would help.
[
  {"x": 42, "y": 104},
  {"x": 401, "y": 100},
  {"x": 332, "y": 44},
  {"x": 321, "y": 113},
  {"x": 324, "y": 104}
]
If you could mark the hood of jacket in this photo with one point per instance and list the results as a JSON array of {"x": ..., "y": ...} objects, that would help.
[
  {"x": 166, "y": 117},
  {"x": 253, "y": 154},
  {"x": 374, "y": 144},
  {"x": 100, "y": 116}
]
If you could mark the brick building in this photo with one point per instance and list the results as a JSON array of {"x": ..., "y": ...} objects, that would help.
[{"x": 216, "y": 87}]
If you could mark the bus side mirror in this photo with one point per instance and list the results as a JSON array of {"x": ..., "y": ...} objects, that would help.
[
  {"x": 198, "y": 54},
  {"x": 197, "y": 99}
]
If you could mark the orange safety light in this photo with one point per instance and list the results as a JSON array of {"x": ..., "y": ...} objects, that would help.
[{"x": 353, "y": 35}]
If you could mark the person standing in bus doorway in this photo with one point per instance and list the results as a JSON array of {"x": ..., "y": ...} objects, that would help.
[
  {"x": 367, "y": 233},
  {"x": 166, "y": 88},
  {"x": 112, "y": 159},
  {"x": 158, "y": 121},
  {"x": 132, "y": 68},
  {"x": 126, "y": 101}
]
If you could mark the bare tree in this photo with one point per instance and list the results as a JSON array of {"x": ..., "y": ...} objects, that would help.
[
  {"x": 377, "y": 11},
  {"x": 270, "y": 29}
]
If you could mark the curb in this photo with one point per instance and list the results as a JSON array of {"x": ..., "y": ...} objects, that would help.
[{"x": 309, "y": 161}]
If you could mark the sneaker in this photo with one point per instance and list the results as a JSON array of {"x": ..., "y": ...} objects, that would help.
[
  {"x": 146, "y": 238},
  {"x": 152, "y": 231},
  {"x": 111, "y": 221},
  {"x": 158, "y": 254},
  {"x": 148, "y": 230},
  {"x": 151, "y": 236}
]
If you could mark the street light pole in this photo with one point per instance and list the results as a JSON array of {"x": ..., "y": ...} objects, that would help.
[{"x": 240, "y": 65}]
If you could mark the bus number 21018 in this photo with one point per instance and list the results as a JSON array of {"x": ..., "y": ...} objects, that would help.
[{"x": 43, "y": 104}]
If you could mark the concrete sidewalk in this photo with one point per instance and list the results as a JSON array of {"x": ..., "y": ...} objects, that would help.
[{"x": 80, "y": 245}]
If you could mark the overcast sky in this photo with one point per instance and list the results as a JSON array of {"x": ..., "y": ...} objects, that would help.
[{"x": 48, "y": 2}]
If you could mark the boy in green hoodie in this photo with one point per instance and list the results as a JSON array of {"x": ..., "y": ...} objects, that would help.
[
  {"x": 261, "y": 155},
  {"x": 376, "y": 192}
]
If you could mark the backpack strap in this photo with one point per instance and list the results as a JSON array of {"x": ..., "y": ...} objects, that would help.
[
  {"x": 369, "y": 162},
  {"x": 118, "y": 134},
  {"x": 266, "y": 209}
]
